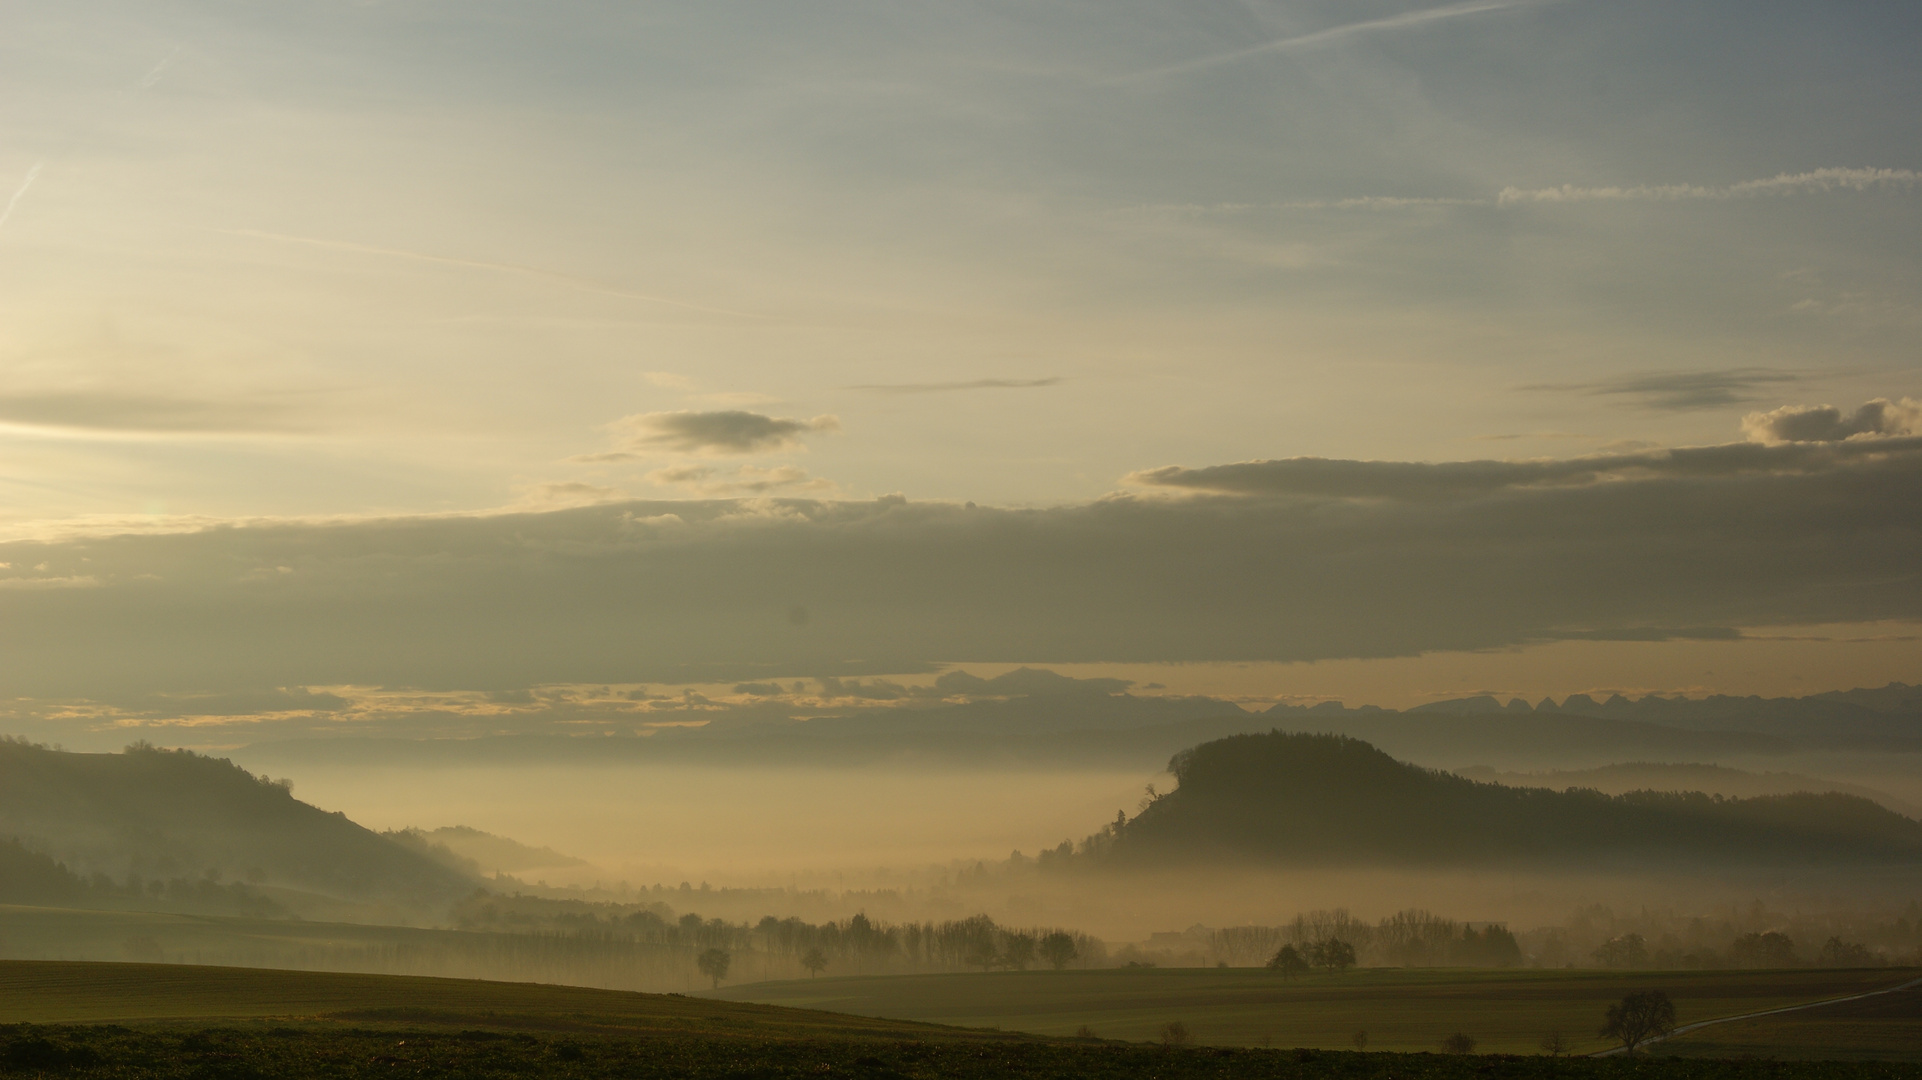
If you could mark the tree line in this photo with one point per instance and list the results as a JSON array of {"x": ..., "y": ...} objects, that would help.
[
  {"x": 1408, "y": 938},
  {"x": 32, "y": 877},
  {"x": 779, "y": 947}
]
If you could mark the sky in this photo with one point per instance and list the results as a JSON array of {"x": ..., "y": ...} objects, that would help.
[{"x": 1381, "y": 351}]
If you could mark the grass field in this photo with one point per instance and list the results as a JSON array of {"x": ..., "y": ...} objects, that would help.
[
  {"x": 43, "y": 933},
  {"x": 1884, "y": 1028},
  {"x": 1410, "y": 1010},
  {"x": 176, "y": 1022},
  {"x": 56, "y": 992}
]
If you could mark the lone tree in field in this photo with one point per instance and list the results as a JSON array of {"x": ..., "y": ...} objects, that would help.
[
  {"x": 1058, "y": 949},
  {"x": 713, "y": 964},
  {"x": 1642, "y": 1016},
  {"x": 815, "y": 961},
  {"x": 1174, "y": 1033},
  {"x": 1289, "y": 961},
  {"x": 1333, "y": 955},
  {"x": 1459, "y": 1043}
]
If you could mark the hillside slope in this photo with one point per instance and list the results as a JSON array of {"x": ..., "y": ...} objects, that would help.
[
  {"x": 1332, "y": 800},
  {"x": 159, "y": 814}
]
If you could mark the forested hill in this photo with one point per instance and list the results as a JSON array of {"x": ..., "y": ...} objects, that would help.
[
  {"x": 1331, "y": 800},
  {"x": 164, "y": 815}
]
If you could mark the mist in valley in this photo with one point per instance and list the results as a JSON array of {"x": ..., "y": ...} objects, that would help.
[{"x": 637, "y": 496}]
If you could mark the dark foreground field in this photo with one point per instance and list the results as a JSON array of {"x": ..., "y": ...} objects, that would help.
[
  {"x": 347, "y": 1051},
  {"x": 1505, "y": 1010},
  {"x": 1887, "y": 1027},
  {"x": 234, "y": 1024}
]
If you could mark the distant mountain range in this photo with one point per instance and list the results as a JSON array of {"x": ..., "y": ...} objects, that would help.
[
  {"x": 1288, "y": 798},
  {"x": 161, "y": 815},
  {"x": 1622, "y": 778},
  {"x": 1045, "y": 720},
  {"x": 1886, "y": 716}
]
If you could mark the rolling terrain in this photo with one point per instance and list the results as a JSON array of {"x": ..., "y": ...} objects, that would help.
[
  {"x": 83, "y": 1019},
  {"x": 41, "y": 992},
  {"x": 1401, "y": 1010},
  {"x": 1887, "y": 1027},
  {"x": 147, "y": 817},
  {"x": 1329, "y": 800}
]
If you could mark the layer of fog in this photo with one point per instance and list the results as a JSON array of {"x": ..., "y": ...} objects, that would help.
[
  {"x": 741, "y": 843},
  {"x": 809, "y": 828}
]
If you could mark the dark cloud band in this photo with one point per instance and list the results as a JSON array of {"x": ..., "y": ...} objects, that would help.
[{"x": 1744, "y": 535}]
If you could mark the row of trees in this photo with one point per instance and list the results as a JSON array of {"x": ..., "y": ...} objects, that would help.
[
  {"x": 32, "y": 877},
  {"x": 1409, "y": 938},
  {"x": 1332, "y": 955},
  {"x": 854, "y": 945},
  {"x": 1765, "y": 949}
]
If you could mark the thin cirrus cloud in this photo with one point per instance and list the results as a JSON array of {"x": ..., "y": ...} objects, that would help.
[
  {"x": 723, "y": 433},
  {"x": 1681, "y": 391},
  {"x": 109, "y": 413},
  {"x": 573, "y": 281},
  {"x": 1404, "y": 21},
  {"x": 1814, "y": 182},
  {"x": 970, "y": 384},
  {"x": 746, "y": 480},
  {"x": 1823, "y": 181},
  {"x": 19, "y": 193}
]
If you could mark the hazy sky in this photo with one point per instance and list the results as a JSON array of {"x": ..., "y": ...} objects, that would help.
[{"x": 309, "y": 277}]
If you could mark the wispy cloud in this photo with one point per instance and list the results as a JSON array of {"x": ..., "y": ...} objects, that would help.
[
  {"x": 971, "y": 384},
  {"x": 153, "y": 76},
  {"x": 138, "y": 414},
  {"x": 32, "y": 174},
  {"x": 1681, "y": 390},
  {"x": 576, "y": 281},
  {"x": 731, "y": 431},
  {"x": 1816, "y": 182},
  {"x": 1333, "y": 34}
]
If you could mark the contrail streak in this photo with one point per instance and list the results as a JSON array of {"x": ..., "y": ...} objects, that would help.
[
  {"x": 153, "y": 76},
  {"x": 588, "y": 284},
  {"x": 1334, "y": 33},
  {"x": 21, "y": 190}
]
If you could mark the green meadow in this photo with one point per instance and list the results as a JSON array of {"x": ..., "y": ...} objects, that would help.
[
  {"x": 56, "y": 992},
  {"x": 1505, "y": 1011}
]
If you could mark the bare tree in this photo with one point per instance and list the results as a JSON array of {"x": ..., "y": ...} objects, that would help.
[
  {"x": 714, "y": 963},
  {"x": 1645, "y": 1015},
  {"x": 1554, "y": 1045},
  {"x": 1058, "y": 949},
  {"x": 815, "y": 961},
  {"x": 1332, "y": 955},
  {"x": 1459, "y": 1043},
  {"x": 1289, "y": 961},
  {"x": 1017, "y": 951},
  {"x": 1174, "y": 1033},
  {"x": 984, "y": 956},
  {"x": 1360, "y": 1039},
  {"x": 1626, "y": 951}
]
